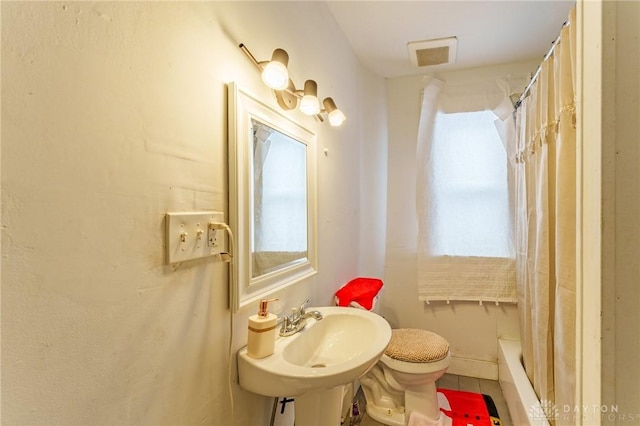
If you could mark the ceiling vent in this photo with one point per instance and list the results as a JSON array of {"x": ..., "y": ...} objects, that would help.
[{"x": 433, "y": 52}]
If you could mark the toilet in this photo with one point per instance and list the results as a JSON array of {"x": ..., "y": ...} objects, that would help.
[{"x": 403, "y": 380}]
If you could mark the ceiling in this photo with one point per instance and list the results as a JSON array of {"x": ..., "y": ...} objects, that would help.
[{"x": 488, "y": 32}]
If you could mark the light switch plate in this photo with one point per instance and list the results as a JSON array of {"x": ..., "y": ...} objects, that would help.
[{"x": 188, "y": 235}]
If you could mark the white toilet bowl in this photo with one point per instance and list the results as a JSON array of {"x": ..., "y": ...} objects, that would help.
[{"x": 403, "y": 381}]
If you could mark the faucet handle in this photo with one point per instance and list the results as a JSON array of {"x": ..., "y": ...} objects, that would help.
[
  {"x": 301, "y": 308},
  {"x": 286, "y": 324}
]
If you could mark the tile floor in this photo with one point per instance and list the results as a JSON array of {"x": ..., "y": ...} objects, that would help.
[{"x": 470, "y": 384}]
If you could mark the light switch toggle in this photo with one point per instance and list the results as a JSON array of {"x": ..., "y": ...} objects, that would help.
[{"x": 199, "y": 234}]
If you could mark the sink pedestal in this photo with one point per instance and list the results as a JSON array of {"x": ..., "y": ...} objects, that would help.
[{"x": 319, "y": 408}]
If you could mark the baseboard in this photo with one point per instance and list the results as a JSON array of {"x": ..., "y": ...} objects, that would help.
[{"x": 473, "y": 368}]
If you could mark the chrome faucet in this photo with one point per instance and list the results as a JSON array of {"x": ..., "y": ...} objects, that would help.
[{"x": 295, "y": 322}]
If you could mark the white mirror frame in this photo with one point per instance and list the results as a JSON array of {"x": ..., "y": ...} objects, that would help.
[{"x": 244, "y": 289}]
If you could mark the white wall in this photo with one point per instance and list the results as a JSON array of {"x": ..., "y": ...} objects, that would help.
[
  {"x": 113, "y": 114},
  {"x": 373, "y": 181},
  {"x": 472, "y": 330}
]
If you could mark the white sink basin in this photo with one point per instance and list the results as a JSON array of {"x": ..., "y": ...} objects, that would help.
[{"x": 328, "y": 353}]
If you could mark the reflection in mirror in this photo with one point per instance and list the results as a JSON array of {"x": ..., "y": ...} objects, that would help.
[
  {"x": 279, "y": 200},
  {"x": 272, "y": 200}
]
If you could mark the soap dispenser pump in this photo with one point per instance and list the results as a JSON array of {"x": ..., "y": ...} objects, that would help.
[{"x": 262, "y": 331}]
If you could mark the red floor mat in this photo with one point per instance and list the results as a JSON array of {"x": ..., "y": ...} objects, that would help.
[{"x": 468, "y": 408}]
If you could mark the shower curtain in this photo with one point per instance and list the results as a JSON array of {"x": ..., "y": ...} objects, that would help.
[{"x": 545, "y": 171}]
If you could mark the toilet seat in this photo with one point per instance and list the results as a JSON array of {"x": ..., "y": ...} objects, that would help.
[
  {"x": 416, "y": 351},
  {"x": 415, "y": 345}
]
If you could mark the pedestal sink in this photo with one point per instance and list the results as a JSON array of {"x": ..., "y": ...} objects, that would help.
[{"x": 314, "y": 364}]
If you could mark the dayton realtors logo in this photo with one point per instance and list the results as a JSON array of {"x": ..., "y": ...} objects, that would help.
[{"x": 546, "y": 410}]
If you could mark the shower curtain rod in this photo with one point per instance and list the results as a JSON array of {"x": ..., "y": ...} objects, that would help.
[{"x": 525, "y": 93}]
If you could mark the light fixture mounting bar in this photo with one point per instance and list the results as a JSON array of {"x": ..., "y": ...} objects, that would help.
[{"x": 250, "y": 56}]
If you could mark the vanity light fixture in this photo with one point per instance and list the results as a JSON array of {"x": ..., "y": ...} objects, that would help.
[{"x": 276, "y": 76}]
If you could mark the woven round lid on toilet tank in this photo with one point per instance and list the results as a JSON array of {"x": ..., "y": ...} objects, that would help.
[{"x": 415, "y": 345}]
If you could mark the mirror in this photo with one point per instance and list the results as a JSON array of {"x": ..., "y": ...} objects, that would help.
[
  {"x": 272, "y": 193},
  {"x": 279, "y": 199}
]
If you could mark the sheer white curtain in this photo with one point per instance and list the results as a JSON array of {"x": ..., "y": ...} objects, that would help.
[
  {"x": 546, "y": 225},
  {"x": 465, "y": 244},
  {"x": 261, "y": 145}
]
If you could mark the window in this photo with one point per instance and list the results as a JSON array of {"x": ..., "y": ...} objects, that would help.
[
  {"x": 465, "y": 249},
  {"x": 469, "y": 188}
]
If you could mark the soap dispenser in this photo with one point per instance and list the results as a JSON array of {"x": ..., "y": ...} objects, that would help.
[{"x": 262, "y": 331}]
